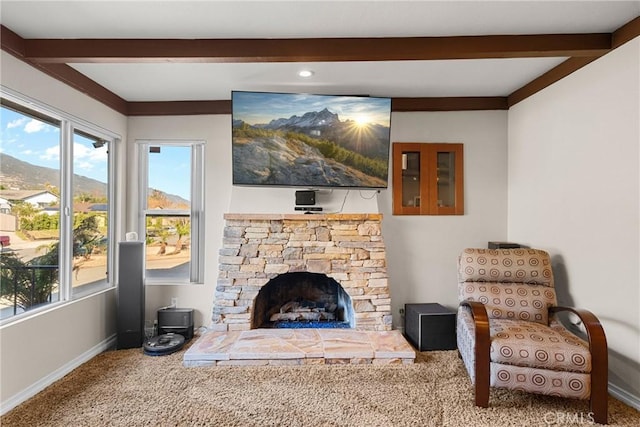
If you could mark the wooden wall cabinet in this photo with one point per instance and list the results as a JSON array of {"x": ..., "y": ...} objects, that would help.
[{"x": 428, "y": 179}]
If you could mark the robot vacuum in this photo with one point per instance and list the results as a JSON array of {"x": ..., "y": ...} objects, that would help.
[{"x": 164, "y": 344}]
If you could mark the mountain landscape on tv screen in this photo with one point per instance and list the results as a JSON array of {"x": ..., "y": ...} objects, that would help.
[{"x": 313, "y": 149}]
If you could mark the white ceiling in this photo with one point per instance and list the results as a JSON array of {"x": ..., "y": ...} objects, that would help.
[{"x": 306, "y": 19}]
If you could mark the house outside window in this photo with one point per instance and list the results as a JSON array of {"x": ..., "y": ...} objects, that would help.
[
  {"x": 171, "y": 210},
  {"x": 54, "y": 168}
]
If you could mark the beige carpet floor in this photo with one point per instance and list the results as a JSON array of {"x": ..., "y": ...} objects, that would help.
[{"x": 127, "y": 388}]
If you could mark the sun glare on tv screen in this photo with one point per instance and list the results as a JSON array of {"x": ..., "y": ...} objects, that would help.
[{"x": 303, "y": 140}]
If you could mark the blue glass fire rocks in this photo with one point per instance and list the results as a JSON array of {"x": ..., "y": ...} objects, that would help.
[{"x": 318, "y": 324}]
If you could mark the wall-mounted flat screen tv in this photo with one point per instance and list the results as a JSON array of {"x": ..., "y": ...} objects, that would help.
[{"x": 301, "y": 140}]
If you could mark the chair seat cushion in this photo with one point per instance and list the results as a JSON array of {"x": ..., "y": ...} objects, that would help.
[
  {"x": 543, "y": 381},
  {"x": 531, "y": 344},
  {"x": 517, "y": 301}
]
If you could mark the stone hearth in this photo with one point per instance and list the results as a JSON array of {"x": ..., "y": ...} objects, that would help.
[
  {"x": 258, "y": 347},
  {"x": 257, "y": 248}
]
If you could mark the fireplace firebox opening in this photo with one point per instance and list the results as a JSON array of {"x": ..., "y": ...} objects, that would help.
[{"x": 303, "y": 300}]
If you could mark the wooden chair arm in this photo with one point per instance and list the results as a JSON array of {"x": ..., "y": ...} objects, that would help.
[
  {"x": 599, "y": 359},
  {"x": 482, "y": 347},
  {"x": 480, "y": 318},
  {"x": 595, "y": 332}
]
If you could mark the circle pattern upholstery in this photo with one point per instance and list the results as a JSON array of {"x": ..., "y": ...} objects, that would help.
[
  {"x": 519, "y": 286},
  {"x": 528, "y": 350},
  {"x": 531, "y": 344}
]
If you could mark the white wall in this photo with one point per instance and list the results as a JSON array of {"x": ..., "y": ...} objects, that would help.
[
  {"x": 215, "y": 130},
  {"x": 43, "y": 348},
  {"x": 282, "y": 200},
  {"x": 221, "y": 197},
  {"x": 422, "y": 251},
  {"x": 40, "y": 349},
  {"x": 574, "y": 191}
]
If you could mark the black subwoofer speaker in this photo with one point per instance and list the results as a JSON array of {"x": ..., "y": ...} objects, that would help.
[{"x": 430, "y": 326}]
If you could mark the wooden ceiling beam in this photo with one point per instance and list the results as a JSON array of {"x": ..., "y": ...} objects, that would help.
[
  {"x": 13, "y": 44},
  {"x": 627, "y": 32},
  {"x": 622, "y": 35},
  {"x": 463, "y": 103},
  {"x": 84, "y": 84},
  {"x": 51, "y": 56},
  {"x": 314, "y": 50},
  {"x": 178, "y": 108},
  {"x": 557, "y": 73},
  {"x": 181, "y": 108}
]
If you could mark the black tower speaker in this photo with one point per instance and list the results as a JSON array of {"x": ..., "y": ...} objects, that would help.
[{"x": 130, "y": 299}]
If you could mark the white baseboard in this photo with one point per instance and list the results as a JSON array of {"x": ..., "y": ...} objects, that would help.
[
  {"x": 624, "y": 396},
  {"x": 54, "y": 376}
]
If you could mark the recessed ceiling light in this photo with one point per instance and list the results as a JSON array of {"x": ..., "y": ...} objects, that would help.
[{"x": 305, "y": 73}]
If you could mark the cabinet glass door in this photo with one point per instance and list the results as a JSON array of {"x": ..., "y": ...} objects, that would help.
[
  {"x": 446, "y": 179},
  {"x": 428, "y": 178},
  {"x": 411, "y": 179}
]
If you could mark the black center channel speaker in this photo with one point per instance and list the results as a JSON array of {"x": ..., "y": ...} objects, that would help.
[
  {"x": 130, "y": 295},
  {"x": 306, "y": 198}
]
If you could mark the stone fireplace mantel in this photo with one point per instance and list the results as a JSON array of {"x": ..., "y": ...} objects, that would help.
[
  {"x": 304, "y": 217},
  {"x": 259, "y": 247}
]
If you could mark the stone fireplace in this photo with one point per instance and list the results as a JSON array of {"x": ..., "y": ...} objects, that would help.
[{"x": 302, "y": 267}]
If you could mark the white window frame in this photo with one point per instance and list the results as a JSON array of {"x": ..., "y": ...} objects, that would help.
[
  {"x": 68, "y": 124},
  {"x": 196, "y": 263}
]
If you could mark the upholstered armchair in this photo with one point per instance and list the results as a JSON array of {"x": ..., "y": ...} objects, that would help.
[{"x": 509, "y": 335}]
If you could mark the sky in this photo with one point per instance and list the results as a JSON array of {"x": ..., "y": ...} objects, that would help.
[
  {"x": 262, "y": 107},
  {"x": 170, "y": 170},
  {"x": 38, "y": 143}
]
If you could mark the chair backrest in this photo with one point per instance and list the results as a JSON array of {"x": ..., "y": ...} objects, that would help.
[{"x": 512, "y": 283}]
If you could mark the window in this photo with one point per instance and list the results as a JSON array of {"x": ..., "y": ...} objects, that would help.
[
  {"x": 428, "y": 179},
  {"x": 172, "y": 210},
  {"x": 90, "y": 220},
  {"x": 56, "y": 187}
]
